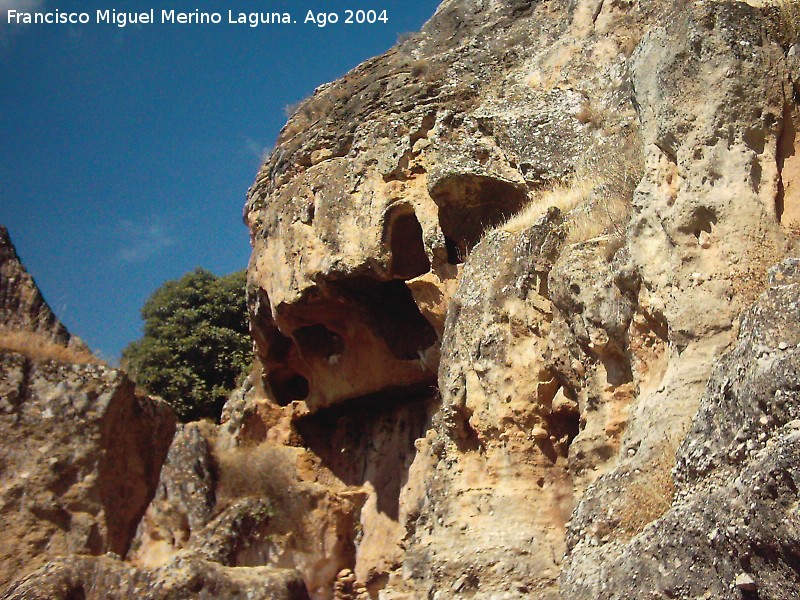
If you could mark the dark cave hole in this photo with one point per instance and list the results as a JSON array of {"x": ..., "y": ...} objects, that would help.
[
  {"x": 318, "y": 341},
  {"x": 76, "y": 592},
  {"x": 278, "y": 345},
  {"x": 471, "y": 204},
  {"x": 453, "y": 255},
  {"x": 565, "y": 425},
  {"x": 391, "y": 314},
  {"x": 287, "y": 386},
  {"x": 409, "y": 259}
]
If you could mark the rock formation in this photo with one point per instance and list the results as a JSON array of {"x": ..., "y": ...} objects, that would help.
[
  {"x": 81, "y": 461},
  {"x": 732, "y": 527},
  {"x": 647, "y": 150},
  {"x": 82, "y": 450},
  {"x": 22, "y": 305},
  {"x": 106, "y": 577},
  {"x": 516, "y": 336}
]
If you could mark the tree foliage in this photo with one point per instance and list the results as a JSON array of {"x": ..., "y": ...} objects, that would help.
[{"x": 196, "y": 343}]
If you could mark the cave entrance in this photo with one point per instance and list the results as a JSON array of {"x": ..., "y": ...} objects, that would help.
[
  {"x": 391, "y": 314},
  {"x": 471, "y": 204},
  {"x": 404, "y": 235}
]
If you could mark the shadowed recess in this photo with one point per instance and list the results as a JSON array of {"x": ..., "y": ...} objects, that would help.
[
  {"x": 404, "y": 232},
  {"x": 471, "y": 204},
  {"x": 391, "y": 314},
  {"x": 371, "y": 439}
]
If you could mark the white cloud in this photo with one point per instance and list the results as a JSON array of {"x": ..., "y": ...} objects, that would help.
[{"x": 142, "y": 241}]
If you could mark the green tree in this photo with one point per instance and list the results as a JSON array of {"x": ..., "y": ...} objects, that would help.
[{"x": 196, "y": 343}]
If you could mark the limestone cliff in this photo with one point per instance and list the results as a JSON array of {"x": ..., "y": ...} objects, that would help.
[
  {"x": 81, "y": 461},
  {"x": 538, "y": 223},
  {"x": 82, "y": 450},
  {"x": 516, "y": 327}
]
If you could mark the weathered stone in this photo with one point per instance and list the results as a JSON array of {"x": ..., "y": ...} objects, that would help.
[
  {"x": 451, "y": 400},
  {"x": 22, "y": 306},
  {"x": 100, "y": 578},
  {"x": 737, "y": 477},
  {"x": 80, "y": 458},
  {"x": 184, "y": 500},
  {"x": 248, "y": 506},
  {"x": 570, "y": 363}
]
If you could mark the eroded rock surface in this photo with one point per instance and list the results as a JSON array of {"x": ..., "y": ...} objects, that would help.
[
  {"x": 97, "y": 578},
  {"x": 80, "y": 460},
  {"x": 732, "y": 528},
  {"x": 494, "y": 272},
  {"x": 248, "y": 507},
  {"x": 571, "y": 346},
  {"x": 22, "y": 305}
]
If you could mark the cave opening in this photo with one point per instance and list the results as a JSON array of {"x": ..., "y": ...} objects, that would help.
[
  {"x": 391, "y": 314},
  {"x": 287, "y": 386},
  {"x": 454, "y": 257},
  {"x": 471, "y": 204},
  {"x": 318, "y": 341},
  {"x": 371, "y": 438},
  {"x": 564, "y": 426},
  {"x": 409, "y": 258}
]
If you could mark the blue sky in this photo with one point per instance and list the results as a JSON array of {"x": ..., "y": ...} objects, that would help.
[{"x": 126, "y": 153}]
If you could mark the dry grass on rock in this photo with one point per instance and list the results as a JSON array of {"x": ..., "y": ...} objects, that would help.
[
  {"x": 254, "y": 471},
  {"x": 596, "y": 200},
  {"x": 38, "y": 347}
]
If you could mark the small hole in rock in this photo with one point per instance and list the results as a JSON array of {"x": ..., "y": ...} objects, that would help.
[
  {"x": 703, "y": 220},
  {"x": 564, "y": 427},
  {"x": 287, "y": 386},
  {"x": 453, "y": 254}
]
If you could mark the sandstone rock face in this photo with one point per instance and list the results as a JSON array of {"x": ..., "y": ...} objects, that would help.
[
  {"x": 569, "y": 347},
  {"x": 247, "y": 507},
  {"x": 98, "y": 578},
  {"x": 80, "y": 460},
  {"x": 732, "y": 527},
  {"x": 700, "y": 243},
  {"x": 321, "y": 508},
  {"x": 184, "y": 498},
  {"x": 22, "y": 305}
]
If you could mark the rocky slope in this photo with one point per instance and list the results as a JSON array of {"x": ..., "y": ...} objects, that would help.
[
  {"x": 516, "y": 335},
  {"x": 82, "y": 450},
  {"x": 22, "y": 305},
  {"x": 81, "y": 459}
]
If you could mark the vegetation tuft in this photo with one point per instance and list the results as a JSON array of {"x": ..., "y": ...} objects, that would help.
[
  {"x": 596, "y": 200},
  {"x": 39, "y": 347}
]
